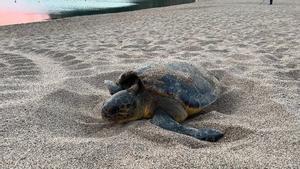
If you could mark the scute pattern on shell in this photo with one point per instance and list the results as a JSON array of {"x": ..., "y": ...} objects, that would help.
[{"x": 192, "y": 86}]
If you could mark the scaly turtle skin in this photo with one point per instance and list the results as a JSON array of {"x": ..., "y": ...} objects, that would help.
[{"x": 167, "y": 92}]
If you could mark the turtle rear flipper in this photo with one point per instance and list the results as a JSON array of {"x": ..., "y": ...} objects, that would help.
[{"x": 165, "y": 121}]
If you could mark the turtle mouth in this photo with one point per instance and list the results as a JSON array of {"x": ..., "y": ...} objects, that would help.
[
  {"x": 113, "y": 116},
  {"x": 116, "y": 119}
]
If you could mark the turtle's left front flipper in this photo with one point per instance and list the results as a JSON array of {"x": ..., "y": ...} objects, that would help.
[{"x": 165, "y": 121}]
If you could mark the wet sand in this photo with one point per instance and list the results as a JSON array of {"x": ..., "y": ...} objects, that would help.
[{"x": 52, "y": 73}]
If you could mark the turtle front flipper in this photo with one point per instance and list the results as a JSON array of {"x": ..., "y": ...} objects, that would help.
[
  {"x": 165, "y": 121},
  {"x": 112, "y": 87}
]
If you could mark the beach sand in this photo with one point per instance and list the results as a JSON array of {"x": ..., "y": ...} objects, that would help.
[{"x": 52, "y": 73}]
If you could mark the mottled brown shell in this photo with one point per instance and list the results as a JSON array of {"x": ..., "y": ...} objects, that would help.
[{"x": 194, "y": 87}]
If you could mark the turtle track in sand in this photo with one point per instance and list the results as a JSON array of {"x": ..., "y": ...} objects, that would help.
[
  {"x": 26, "y": 77},
  {"x": 52, "y": 78},
  {"x": 30, "y": 71},
  {"x": 47, "y": 88}
]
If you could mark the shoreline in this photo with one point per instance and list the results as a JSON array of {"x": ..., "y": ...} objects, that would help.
[{"x": 54, "y": 13}]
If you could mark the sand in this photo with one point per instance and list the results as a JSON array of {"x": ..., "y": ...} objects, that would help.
[{"x": 51, "y": 86}]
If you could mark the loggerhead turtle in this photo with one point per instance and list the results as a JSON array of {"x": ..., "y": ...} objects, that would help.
[{"x": 166, "y": 92}]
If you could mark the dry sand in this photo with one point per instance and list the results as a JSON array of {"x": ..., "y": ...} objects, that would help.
[{"x": 51, "y": 80}]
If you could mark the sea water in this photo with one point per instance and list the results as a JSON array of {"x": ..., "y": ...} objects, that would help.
[{"x": 24, "y": 11}]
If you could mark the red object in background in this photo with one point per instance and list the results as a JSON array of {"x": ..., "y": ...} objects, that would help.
[{"x": 14, "y": 17}]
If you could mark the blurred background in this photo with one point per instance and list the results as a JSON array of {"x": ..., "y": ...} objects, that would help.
[{"x": 24, "y": 11}]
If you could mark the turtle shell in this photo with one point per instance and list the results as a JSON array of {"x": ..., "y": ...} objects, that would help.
[{"x": 193, "y": 87}]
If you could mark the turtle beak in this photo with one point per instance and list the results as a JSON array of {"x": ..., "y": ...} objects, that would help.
[
  {"x": 105, "y": 112},
  {"x": 109, "y": 113}
]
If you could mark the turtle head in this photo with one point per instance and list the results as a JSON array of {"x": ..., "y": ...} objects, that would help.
[{"x": 123, "y": 106}]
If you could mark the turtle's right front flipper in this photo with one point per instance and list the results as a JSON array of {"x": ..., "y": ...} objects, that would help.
[
  {"x": 165, "y": 121},
  {"x": 112, "y": 87}
]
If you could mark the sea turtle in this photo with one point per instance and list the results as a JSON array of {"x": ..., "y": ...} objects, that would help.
[{"x": 166, "y": 92}]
